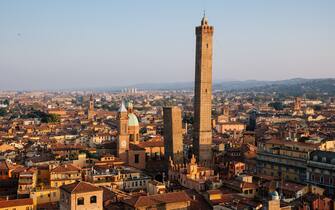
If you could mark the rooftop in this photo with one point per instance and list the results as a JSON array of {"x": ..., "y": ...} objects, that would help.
[{"x": 80, "y": 187}]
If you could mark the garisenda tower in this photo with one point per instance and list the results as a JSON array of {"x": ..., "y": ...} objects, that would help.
[{"x": 202, "y": 139}]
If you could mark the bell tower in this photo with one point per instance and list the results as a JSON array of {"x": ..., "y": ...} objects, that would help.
[
  {"x": 123, "y": 138},
  {"x": 90, "y": 111}
]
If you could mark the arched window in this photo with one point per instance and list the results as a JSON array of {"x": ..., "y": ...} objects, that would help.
[
  {"x": 80, "y": 201},
  {"x": 93, "y": 199}
]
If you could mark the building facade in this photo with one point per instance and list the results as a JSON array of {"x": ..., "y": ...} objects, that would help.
[
  {"x": 64, "y": 174},
  {"x": 321, "y": 170},
  {"x": 286, "y": 159},
  {"x": 192, "y": 176},
  {"x": 81, "y": 196}
]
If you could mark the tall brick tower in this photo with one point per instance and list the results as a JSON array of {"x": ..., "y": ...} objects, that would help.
[
  {"x": 122, "y": 144},
  {"x": 90, "y": 111},
  {"x": 203, "y": 93},
  {"x": 173, "y": 135}
]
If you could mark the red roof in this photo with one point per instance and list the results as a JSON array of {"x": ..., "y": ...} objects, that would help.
[
  {"x": 159, "y": 143},
  {"x": 151, "y": 200},
  {"x": 135, "y": 147},
  {"x": 5, "y": 165},
  {"x": 16, "y": 202},
  {"x": 65, "y": 168},
  {"x": 80, "y": 187}
]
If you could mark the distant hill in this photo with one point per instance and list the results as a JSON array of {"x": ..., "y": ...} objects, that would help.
[
  {"x": 217, "y": 85},
  {"x": 250, "y": 84},
  {"x": 227, "y": 85},
  {"x": 296, "y": 86},
  {"x": 300, "y": 87}
]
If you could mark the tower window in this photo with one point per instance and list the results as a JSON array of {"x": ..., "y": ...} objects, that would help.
[
  {"x": 207, "y": 45},
  {"x": 93, "y": 199},
  {"x": 137, "y": 158},
  {"x": 80, "y": 201}
]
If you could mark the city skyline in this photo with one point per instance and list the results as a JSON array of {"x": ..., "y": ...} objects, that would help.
[
  {"x": 68, "y": 45},
  {"x": 80, "y": 137}
]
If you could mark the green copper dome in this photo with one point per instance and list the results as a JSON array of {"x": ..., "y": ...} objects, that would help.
[{"x": 132, "y": 120}]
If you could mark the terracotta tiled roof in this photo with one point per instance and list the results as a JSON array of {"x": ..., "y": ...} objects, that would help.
[
  {"x": 42, "y": 158},
  {"x": 215, "y": 191},
  {"x": 19, "y": 169},
  {"x": 65, "y": 168},
  {"x": 80, "y": 187},
  {"x": 16, "y": 202},
  {"x": 151, "y": 200},
  {"x": 159, "y": 143},
  {"x": 293, "y": 187},
  {"x": 283, "y": 142},
  {"x": 135, "y": 147},
  {"x": 59, "y": 146},
  {"x": 6, "y": 165}
]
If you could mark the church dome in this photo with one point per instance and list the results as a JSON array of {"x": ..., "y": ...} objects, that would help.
[{"x": 132, "y": 120}]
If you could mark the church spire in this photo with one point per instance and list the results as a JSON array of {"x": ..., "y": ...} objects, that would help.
[
  {"x": 204, "y": 20},
  {"x": 122, "y": 108}
]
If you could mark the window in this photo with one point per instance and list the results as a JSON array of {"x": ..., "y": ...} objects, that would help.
[
  {"x": 93, "y": 199},
  {"x": 137, "y": 158},
  {"x": 80, "y": 201},
  {"x": 131, "y": 137}
]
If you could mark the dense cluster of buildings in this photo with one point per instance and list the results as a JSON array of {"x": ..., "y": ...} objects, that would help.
[{"x": 167, "y": 149}]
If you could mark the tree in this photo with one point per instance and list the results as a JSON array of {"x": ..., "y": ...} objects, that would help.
[
  {"x": 277, "y": 105},
  {"x": 3, "y": 111},
  {"x": 52, "y": 118},
  {"x": 6, "y": 102}
]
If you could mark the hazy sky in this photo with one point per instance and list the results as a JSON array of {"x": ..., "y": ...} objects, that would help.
[{"x": 96, "y": 43}]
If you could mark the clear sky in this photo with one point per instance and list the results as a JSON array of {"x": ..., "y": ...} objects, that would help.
[{"x": 46, "y": 44}]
